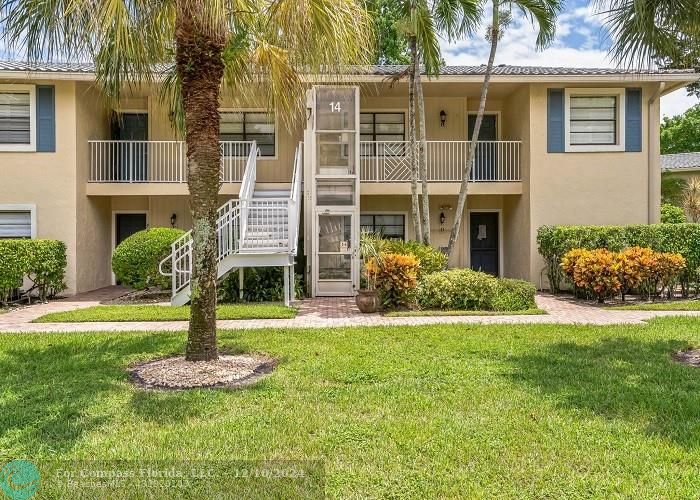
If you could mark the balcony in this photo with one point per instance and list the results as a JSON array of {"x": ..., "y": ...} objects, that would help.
[
  {"x": 388, "y": 162},
  {"x": 157, "y": 161}
]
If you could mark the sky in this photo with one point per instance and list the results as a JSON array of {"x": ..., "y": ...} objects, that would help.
[{"x": 580, "y": 42}]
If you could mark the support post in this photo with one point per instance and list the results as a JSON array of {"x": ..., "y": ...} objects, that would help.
[
  {"x": 240, "y": 283},
  {"x": 292, "y": 281},
  {"x": 286, "y": 286}
]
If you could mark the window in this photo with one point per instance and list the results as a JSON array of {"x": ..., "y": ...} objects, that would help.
[
  {"x": 248, "y": 126},
  {"x": 385, "y": 126},
  {"x": 15, "y": 224},
  {"x": 594, "y": 120},
  {"x": 388, "y": 225},
  {"x": 17, "y": 115}
]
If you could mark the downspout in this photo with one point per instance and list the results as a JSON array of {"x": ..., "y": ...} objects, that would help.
[{"x": 654, "y": 187}]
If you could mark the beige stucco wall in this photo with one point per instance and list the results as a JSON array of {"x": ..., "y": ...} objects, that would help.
[
  {"x": 48, "y": 180},
  {"x": 93, "y": 245}
]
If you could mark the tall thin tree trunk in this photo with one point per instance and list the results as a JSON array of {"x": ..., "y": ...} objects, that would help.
[
  {"x": 422, "y": 160},
  {"x": 415, "y": 208},
  {"x": 461, "y": 200},
  {"x": 199, "y": 64}
]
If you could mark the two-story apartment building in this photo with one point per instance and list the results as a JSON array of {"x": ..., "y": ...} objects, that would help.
[{"x": 558, "y": 146}]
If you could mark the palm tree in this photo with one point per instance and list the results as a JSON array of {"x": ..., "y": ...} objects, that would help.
[
  {"x": 644, "y": 32},
  {"x": 423, "y": 23},
  {"x": 198, "y": 48},
  {"x": 540, "y": 12}
]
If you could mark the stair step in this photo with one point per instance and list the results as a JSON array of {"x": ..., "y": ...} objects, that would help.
[{"x": 271, "y": 193}]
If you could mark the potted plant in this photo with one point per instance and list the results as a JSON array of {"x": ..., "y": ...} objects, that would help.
[{"x": 367, "y": 298}]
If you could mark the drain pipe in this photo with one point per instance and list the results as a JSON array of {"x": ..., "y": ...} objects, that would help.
[{"x": 653, "y": 161}]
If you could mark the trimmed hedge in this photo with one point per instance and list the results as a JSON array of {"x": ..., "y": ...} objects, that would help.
[
  {"x": 468, "y": 290},
  {"x": 42, "y": 261},
  {"x": 135, "y": 260},
  {"x": 555, "y": 241}
]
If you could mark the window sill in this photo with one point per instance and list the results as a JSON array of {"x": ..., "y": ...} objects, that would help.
[{"x": 617, "y": 148}]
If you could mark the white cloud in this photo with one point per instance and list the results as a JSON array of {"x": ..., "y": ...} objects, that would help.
[
  {"x": 518, "y": 48},
  {"x": 677, "y": 102}
]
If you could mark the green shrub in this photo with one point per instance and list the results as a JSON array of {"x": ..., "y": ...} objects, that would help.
[
  {"x": 430, "y": 260},
  {"x": 260, "y": 284},
  {"x": 554, "y": 241},
  {"x": 42, "y": 261},
  {"x": 671, "y": 214},
  {"x": 135, "y": 261},
  {"x": 468, "y": 290},
  {"x": 514, "y": 295}
]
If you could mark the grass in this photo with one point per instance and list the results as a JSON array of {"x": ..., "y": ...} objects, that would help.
[
  {"x": 440, "y": 312},
  {"x": 672, "y": 305},
  {"x": 444, "y": 411},
  {"x": 165, "y": 313}
]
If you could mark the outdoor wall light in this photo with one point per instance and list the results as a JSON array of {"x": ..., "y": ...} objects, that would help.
[
  {"x": 173, "y": 220},
  {"x": 443, "y": 117},
  {"x": 442, "y": 218}
]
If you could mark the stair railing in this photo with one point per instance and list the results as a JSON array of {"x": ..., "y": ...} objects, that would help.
[
  {"x": 248, "y": 188},
  {"x": 295, "y": 200}
]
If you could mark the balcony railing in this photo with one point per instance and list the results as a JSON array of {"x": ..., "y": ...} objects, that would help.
[
  {"x": 157, "y": 161},
  {"x": 495, "y": 161}
]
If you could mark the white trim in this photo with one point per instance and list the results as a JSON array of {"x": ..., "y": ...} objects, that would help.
[
  {"x": 500, "y": 235},
  {"x": 23, "y": 207},
  {"x": 114, "y": 232},
  {"x": 31, "y": 89},
  {"x": 258, "y": 110},
  {"x": 620, "y": 132},
  {"x": 388, "y": 212},
  {"x": 498, "y": 122}
]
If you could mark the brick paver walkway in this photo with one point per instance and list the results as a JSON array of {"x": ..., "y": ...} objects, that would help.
[{"x": 323, "y": 313}]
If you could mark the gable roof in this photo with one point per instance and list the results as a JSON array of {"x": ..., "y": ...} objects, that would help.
[
  {"x": 88, "y": 68},
  {"x": 680, "y": 161}
]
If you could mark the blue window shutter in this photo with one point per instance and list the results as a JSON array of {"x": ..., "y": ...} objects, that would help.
[
  {"x": 633, "y": 120},
  {"x": 45, "y": 118},
  {"x": 555, "y": 120}
]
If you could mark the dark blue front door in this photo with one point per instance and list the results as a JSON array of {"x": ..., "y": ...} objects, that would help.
[
  {"x": 486, "y": 158},
  {"x": 483, "y": 241}
]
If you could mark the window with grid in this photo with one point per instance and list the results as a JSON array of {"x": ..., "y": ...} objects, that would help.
[
  {"x": 388, "y": 225},
  {"x": 15, "y": 117},
  {"x": 593, "y": 120},
  {"x": 249, "y": 126},
  {"x": 383, "y": 126}
]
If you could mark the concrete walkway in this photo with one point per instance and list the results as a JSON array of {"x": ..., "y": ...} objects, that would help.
[{"x": 324, "y": 313}]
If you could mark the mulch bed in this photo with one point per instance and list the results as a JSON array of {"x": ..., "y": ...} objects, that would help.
[
  {"x": 688, "y": 357},
  {"x": 148, "y": 296},
  {"x": 175, "y": 373}
]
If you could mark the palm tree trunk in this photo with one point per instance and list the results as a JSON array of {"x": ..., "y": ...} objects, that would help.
[
  {"x": 422, "y": 160},
  {"x": 199, "y": 64},
  {"x": 461, "y": 200},
  {"x": 415, "y": 209}
]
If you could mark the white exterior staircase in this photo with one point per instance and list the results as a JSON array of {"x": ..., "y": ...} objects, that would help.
[{"x": 259, "y": 229}]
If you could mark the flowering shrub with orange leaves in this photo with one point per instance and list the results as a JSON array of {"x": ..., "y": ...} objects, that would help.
[
  {"x": 593, "y": 270},
  {"x": 636, "y": 265},
  {"x": 667, "y": 269},
  {"x": 396, "y": 278},
  {"x": 603, "y": 273}
]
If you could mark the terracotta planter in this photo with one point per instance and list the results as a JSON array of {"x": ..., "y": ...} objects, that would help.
[{"x": 367, "y": 301}]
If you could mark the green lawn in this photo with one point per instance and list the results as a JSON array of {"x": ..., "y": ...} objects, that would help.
[
  {"x": 440, "y": 312},
  {"x": 675, "y": 305},
  {"x": 166, "y": 313},
  {"x": 507, "y": 411}
]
